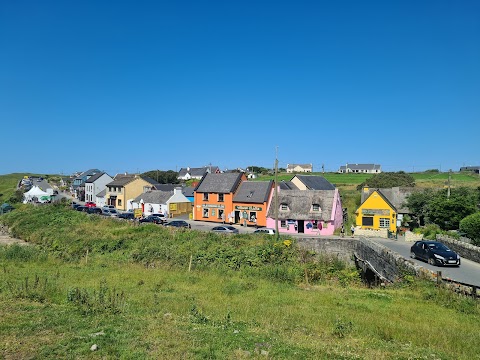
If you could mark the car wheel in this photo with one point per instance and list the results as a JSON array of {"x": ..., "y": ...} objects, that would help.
[
  {"x": 412, "y": 255},
  {"x": 431, "y": 261}
]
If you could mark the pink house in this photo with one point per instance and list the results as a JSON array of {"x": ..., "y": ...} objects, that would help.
[{"x": 304, "y": 209}]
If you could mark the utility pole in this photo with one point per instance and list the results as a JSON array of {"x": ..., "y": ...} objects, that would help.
[
  {"x": 323, "y": 169},
  {"x": 276, "y": 192},
  {"x": 448, "y": 183}
]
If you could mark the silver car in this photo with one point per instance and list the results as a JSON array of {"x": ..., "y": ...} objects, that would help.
[{"x": 225, "y": 229}]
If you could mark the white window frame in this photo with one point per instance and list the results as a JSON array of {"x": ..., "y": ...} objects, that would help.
[{"x": 384, "y": 223}]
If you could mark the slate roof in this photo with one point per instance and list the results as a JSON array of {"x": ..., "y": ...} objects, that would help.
[
  {"x": 154, "y": 197},
  {"x": 92, "y": 178},
  {"x": 89, "y": 172},
  {"x": 305, "y": 166},
  {"x": 219, "y": 183},
  {"x": 396, "y": 196},
  {"x": 164, "y": 187},
  {"x": 287, "y": 185},
  {"x": 197, "y": 172},
  {"x": 299, "y": 203},
  {"x": 188, "y": 191},
  {"x": 122, "y": 180},
  {"x": 313, "y": 182},
  {"x": 253, "y": 192}
]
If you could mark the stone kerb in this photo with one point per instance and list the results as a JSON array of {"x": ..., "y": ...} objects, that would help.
[
  {"x": 412, "y": 237},
  {"x": 382, "y": 233},
  {"x": 467, "y": 251}
]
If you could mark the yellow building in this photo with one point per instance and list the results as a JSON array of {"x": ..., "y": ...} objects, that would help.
[
  {"x": 376, "y": 213},
  {"x": 125, "y": 188}
]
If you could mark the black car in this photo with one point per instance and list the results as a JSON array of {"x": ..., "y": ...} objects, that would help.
[
  {"x": 94, "y": 210},
  {"x": 152, "y": 219},
  {"x": 434, "y": 252},
  {"x": 82, "y": 208},
  {"x": 126, "y": 215},
  {"x": 75, "y": 205},
  {"x": 178, "y": 223}
]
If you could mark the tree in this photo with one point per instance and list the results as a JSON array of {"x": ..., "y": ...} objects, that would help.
[
  {"x": 163, "y": 177},
  {"x": 470, "y": 225},
  {"x": 388, "y": 180},
  {"x": 434, "y": 207}
]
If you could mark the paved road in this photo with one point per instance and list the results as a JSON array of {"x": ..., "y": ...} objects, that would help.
[{"x": 468, "y": 272}]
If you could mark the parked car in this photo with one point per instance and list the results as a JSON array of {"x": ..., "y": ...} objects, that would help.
[
  {"x": 179, "y": 223},
  {"x": 82, "y": 208},
  {"x": 152, "y": 219},
  {"x": 225, "y": 229},
  {"x": 108, "y": 207},
  {"x": 162, "y": 217},
  {"x": 109, "y": 212},
  {"x": 268, "y": 231},
  {"x": 75, "y": 205},
  {"x": 434, "y": 252},
  {"x": 90, "y": 204},
  {"x": 5, "y": 208},
  {"x": 94, "y": 210},
  {"x": 126, "y": 215}
]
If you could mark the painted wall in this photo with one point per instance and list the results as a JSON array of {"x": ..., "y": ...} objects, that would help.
[
  {"x": 375, "y": 206},
  {"x": 213, "y": 206},
  {"x": 323, "y": 227},
  {"x": 127, "y": 192}
]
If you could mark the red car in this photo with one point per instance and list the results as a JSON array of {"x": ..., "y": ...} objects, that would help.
[{"x": 90, "y": 204}]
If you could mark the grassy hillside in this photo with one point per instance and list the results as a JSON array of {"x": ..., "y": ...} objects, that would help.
[{"x": 133, "y": 295}]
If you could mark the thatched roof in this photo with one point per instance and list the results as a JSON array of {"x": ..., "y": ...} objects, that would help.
[{"x": 299, "y": 204}]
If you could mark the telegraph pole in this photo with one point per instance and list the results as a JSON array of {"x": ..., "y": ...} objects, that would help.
[
  {"x": 276, "y": 193},
  {"x": 448, "y": 183}
]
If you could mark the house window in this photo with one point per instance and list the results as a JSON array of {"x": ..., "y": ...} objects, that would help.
[
  {"x": 283, "y": 223},
  {"x": 220, "y": 197},
  {"x": 119, "y": 202},
  {"x": 221, "y": 214},
  {"x": 253, "y": 216},
  {"x": 283, "y": 207},
  {"x": 316, "y": 207},
  {"x": 205, "y": 196},
  {"x": 384, "y": 222},
  {"x": 205, "y": 213},
  {"x": 367, "y": 221}
]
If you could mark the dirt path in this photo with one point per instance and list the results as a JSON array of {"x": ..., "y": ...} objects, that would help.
[{"x": 7, "y": 240}]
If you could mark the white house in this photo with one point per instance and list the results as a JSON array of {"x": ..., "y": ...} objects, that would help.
[
  {"x": 95, "y": 184},
  {"x": 360, "y": 168},
  {"x": 296, "y": 168}
]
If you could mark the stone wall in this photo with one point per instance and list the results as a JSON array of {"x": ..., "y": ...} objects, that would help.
[
  {"x": 389, "y": 264},
  {"x": 382, "y": 233},
  {"x": 411, "y": 236},
  {"x": 467, "y": 251}
]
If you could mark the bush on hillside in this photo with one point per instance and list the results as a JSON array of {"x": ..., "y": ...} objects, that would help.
[
  {"x": 388, "y": 180},
  {"x": 471, "y": 227}
]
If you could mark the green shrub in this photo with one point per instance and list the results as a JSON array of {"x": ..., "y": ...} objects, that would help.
[{"x": 471, "y": 227}]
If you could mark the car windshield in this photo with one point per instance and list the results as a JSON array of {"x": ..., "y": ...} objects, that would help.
[
  {"x": 438, "y": 247},
  {"x": 230, "y": 228}
]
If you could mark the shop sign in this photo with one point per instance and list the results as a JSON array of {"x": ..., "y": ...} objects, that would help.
[
  {"x": 251, "y": 208},
  {"x": 213, "y": 206},
  {"x": 375, "y": 211}
]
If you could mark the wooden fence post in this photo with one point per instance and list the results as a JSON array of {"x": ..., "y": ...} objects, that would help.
[
  {"x": 439, "y": 277},
  {"x": 474, "y": 291}
]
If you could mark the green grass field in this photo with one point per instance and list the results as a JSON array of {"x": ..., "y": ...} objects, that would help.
[{"x": 132, "y": 294}]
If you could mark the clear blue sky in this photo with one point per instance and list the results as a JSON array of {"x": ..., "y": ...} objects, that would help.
[{"x": 142, "y": 85}]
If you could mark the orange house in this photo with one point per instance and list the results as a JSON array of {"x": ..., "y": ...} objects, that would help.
[
  {"x": 213, "y": 196},
  {"x": 251, "y": 202}
]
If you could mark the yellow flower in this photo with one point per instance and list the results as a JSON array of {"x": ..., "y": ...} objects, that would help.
[{"x": 287, "y": 243}]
